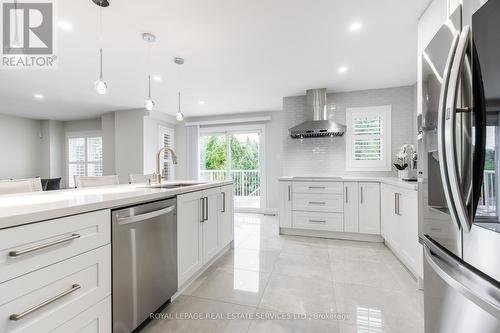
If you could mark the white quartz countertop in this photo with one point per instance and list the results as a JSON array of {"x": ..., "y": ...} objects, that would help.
[
  {"x": 386, "y": 180},
  {"x": 24, "y": 208}
]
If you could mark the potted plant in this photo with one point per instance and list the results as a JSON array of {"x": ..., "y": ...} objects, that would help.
[{"x": 402, "y": 159}]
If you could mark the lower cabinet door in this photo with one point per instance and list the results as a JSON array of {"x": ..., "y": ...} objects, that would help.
[
  {"x": 285, "y": 213},
  {"x": 318, "y": 221},
  {"x": 226, "y": 222},
  {"x": 49, "y": 297},
  {"x": 189, "y": 235},
  {"x": 351, "y": 207},
  {"x": 369, "y": 208},
  {"x": 210, "y": 225},
  {"x": 97, "y": 319}
]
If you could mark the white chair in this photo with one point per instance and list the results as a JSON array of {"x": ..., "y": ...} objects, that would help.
[
  {"x": 94, "y": 181},
  {"x": 20, "y": 185},
  {"x": 141, "y": 179}
]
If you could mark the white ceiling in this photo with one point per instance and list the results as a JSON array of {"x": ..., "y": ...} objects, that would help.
[{"x": 241, "y": 56}]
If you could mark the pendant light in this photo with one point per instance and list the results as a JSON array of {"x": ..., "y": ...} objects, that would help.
[
  {"x": 149, "y": 104},
  {"x": 179, "y": 116},
  {"x": 101, "y": 87}
]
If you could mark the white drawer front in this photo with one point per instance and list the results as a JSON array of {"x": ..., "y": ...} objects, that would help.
[
  {"x": 333, "y": 203},
  {"x": 97, "y": 319},
  {"x": 318, "y": 221},
  {"x": 91, "y": 272},
  {"x": 318, "y": 187},
  {"x": 69, "y": 236}
]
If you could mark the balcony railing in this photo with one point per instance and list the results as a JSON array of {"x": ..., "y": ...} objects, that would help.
[
  {"x": 246, "y": 182},
  {"x": 488, "y": 200}
]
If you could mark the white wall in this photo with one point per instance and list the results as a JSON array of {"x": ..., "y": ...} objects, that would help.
[
  {"x": 108, "y": 143},
  {"x": 52, "y": 148},
  {"x": 152, "y": 124},
  {"x": 129, "y": 146},
  {"x": 329, "y": 154},
  {"x": 20, "y": 147}
]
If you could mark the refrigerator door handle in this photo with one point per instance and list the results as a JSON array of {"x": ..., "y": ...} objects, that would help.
[
  {"x": 464, "y": 280},
  {"x": 458, "y": 196}
]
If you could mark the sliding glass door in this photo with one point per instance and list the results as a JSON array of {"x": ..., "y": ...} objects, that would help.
[{"x": 235, "y": 154}]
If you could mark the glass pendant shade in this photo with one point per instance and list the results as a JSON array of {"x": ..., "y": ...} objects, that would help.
[
  {"x": 179, "y": 116},
  {"x": 101, "y": 87},
  {"x": 149, "y": 104}
]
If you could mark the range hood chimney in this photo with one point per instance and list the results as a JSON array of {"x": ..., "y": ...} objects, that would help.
[{"x": 320, "y": 126}]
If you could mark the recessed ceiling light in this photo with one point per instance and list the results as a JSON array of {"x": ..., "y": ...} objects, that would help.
[
  {"x": 38, "y": 96},
  {"x": 355, "y": 27},
  {"x": 342, "y": 69},
  {"x": 201, "y": 102},
  {"x": 157, "y": 78},
  {"x": 65, "y": 25}
]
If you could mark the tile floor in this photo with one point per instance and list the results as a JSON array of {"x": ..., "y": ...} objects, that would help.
[{"x": 280, "y": 284}]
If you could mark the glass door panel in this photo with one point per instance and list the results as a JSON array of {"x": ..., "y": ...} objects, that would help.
[
  {"x": 213, "y": 157},
  {"x": 246, "y": 169}
]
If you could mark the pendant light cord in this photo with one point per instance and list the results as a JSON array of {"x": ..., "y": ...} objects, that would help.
[{"x": 179, "y": 102}]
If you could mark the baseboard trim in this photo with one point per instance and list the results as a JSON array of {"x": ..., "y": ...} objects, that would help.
[
  {"x": 332, "y": 235},
  {"x": 202, "y": 270}
]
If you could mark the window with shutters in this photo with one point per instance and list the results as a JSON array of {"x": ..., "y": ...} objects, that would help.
[
  {"x": 368, "y": 138},
  {"x": 84, "y": 156},
  {"x": 167, "y": 140}
]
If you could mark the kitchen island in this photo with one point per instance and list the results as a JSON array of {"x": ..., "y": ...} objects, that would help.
[{"x": 56, "y": 249}]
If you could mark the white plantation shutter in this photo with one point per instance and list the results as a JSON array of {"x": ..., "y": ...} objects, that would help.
[
  {"x": 167, "y": 140},
  {"x": 84, "y": 156},
  {"x": 368, "y": 138}
]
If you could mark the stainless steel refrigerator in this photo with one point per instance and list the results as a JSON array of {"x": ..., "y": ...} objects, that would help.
[{"x": 459, "y": 145}]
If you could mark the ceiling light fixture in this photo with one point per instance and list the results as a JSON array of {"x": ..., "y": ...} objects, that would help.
[
  {"x": 38, "y": 96},
  {"x": 343, "y": 69},
  {"x": 158, "y": 78},
  {"x": 355, "y": 27},
  {"x": 101, "y": 87},
  {"x": 201, "y": 102},
  {"x": 149, "y": 38},
  {"x": 179, "y": 116}
]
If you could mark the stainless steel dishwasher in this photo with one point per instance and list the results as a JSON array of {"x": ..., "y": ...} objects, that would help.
[{"x": 144, "y": 246}]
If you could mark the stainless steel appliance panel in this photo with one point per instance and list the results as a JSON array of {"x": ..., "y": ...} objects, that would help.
[
  {"x": 435, "y": 212},
  {"x": 144, "y": 246}
]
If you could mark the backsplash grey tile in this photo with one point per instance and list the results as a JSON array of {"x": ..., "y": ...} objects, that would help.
[{"x": 326, "y": 156}]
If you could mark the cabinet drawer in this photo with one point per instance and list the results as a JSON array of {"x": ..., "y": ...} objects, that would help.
[
  {"x": 97, "y": 319},
  {"x": 318, "y": 187},
  {"x": 30, "y": 247},
  {"x": 53, "y": 295},
  {"x": 318, "y": 221},
  {"x": 333, "y": 203}
]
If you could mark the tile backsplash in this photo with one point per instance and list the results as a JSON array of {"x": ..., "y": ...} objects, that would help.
[{"x": 326, "y": 156}]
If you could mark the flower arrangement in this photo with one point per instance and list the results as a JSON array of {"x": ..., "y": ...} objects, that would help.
[{"x": 404, "y": 156}]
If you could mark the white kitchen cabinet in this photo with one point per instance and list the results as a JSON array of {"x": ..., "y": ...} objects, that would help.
[
  {"x": 369, "y": 208},
  {"x": 96, "y": 319},
  {"x": 285, "y": 210},
  {"x": 400, "y": 224},
  {"x": 210, "y": 225},
  {"x": 351, "y": 207},
  {"x": 203, "y": 229},
  {"x": 226, "y": 226},
  {"x": 189, "y": 235}
]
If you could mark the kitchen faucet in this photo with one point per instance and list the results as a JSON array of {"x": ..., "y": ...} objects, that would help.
[{"x": 158, "y": 157}]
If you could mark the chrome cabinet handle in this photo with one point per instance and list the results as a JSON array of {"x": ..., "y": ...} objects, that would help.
[
  {"x": 289, "y": 193},
  {"x": 317, "y": 187},
  {"x": 202, "y": 204},
  {"x": 395, "y": 204},
  {"x": 361, "y": 196},
  {"x": 223, "y": 202},
  {"x": 346, "y": 195},
  {"x": 23, "y": 314},
  {"x": 397, "y": 200},
  {"x": 317, "y": 203},
  {"x": 317, "y": 221},
  {"x": 36, "y": 248},
  {"x": 206, "y": 209},
  {"x": 146, "y": 216}
]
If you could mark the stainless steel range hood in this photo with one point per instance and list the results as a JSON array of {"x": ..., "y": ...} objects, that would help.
[{"x": 316, "y": 105}]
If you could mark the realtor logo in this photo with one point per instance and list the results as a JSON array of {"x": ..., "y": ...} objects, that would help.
[{"x": 28, "y": 34}]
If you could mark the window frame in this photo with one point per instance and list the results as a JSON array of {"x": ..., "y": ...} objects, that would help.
[
  {"x": 85, "y": 135},
  {"x": 162, "y": 130},
  {"x": 369, "y": 165}
]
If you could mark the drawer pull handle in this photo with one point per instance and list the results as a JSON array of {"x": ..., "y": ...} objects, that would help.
[
  {"x": 317, "y": 221},
  {"x": 317, "y": 203},
  {"x": 42, "y": 246},
  {"x": 317, "y": 187},
  {"x": 15, "y": 317}
]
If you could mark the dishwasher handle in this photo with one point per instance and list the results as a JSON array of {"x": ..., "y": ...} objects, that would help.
[{"x": 145, "y": 216}]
